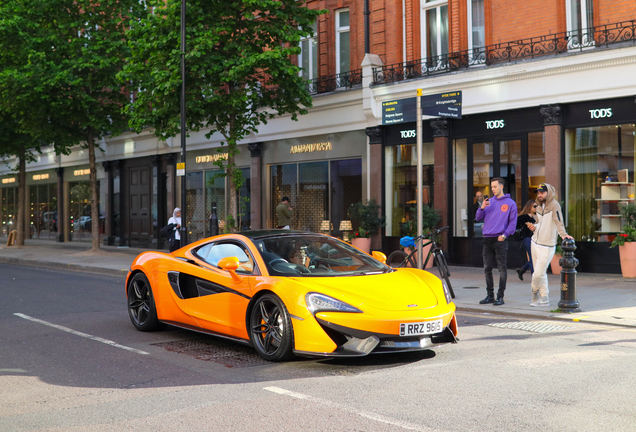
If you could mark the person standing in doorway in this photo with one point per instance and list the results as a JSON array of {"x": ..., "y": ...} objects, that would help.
[
  {"x": 479, "y": 200},
  {"x": 283, "y": 213},
  {"x": 544, "y": 241},
  {"x": 528, "y": 214},
  {"x": 499, "y": 214}
]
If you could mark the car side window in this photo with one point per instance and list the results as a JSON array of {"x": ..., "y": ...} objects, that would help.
[{"x": 215, "y": 252}]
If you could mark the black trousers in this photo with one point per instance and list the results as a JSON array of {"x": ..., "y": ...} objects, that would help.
[
  {"x": 176, "y": 244},
  {"x": 495, "y": 254}
]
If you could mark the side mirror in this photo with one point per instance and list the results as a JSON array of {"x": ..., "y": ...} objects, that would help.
[
  {"x": 230, "y": 264},
  {"x": 379, "y": 256}
]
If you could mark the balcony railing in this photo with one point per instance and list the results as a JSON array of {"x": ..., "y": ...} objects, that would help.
[
  {"x": 344, "y": 80},
  {"x": 556, "y": 44}
]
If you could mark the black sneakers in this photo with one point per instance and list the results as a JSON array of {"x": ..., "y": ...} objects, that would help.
[
  {"x": 499, "y": 301},
  {"x": 488, "y": 299},
  {"x": 520, "y": 272}
]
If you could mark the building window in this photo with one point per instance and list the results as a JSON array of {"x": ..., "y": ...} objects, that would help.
[
  {"x": 476, "y": 29},
  {"x": 434, "y": 28},
  {"x": 308, "y": 58},
  {"x": 580, "y": 17},
  {"x": 342, "y": 41},
  {"x": 460, "y": 188},
  {"x": 599, "y": 178},
  {"x": 401, "y": 186}
]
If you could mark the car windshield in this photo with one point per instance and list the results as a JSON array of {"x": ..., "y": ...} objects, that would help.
[{"x": 315, "y": 255}]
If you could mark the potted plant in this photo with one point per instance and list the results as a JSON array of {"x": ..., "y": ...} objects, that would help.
[
  {"x": 366, "y": 221},
  {"x": 430, "y": 221},
  {"x": 626, "y": 241}
]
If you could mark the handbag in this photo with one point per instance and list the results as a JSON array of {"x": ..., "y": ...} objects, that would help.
[{"x": 517, "y": 235}]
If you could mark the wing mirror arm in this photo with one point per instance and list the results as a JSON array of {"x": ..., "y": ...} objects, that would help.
[{"x": 231, "y": 264}]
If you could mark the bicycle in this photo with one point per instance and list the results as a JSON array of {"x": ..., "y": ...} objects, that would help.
[{"x": 398, "y": 259}]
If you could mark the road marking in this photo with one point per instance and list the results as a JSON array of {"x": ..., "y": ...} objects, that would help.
[
  {"x": 531, "y": 326},
  {"x": 361, "y": 413},
  {"x": 76, "y": 333}
]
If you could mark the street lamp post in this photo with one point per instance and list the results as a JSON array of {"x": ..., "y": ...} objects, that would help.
[{"x": 184, "y": 232}]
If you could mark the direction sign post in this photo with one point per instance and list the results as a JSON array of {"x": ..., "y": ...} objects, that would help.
[{"x": 418, "y": 193}]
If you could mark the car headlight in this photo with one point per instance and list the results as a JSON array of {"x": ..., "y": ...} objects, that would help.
[
  {"x": 446, "y": 292},
  {"x": 319, "y": 302}
]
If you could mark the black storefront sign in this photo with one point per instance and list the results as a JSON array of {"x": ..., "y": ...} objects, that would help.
[
  {"x": 407, "y": 133},
  {"x": 496, "y": 123},
  {"x": 600, "y": 112}
]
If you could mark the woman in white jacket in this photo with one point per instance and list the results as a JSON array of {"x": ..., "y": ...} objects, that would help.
[{"x": 172, "y": 230}]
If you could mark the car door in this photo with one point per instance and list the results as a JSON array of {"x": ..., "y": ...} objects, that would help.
[{"x": 221, "y": 301}]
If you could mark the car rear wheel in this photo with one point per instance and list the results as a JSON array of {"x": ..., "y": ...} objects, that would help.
[
  {"x": 141, "y": 304},
  {"x": 271, "y": 329}
]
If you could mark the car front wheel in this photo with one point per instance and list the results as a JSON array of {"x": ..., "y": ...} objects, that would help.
[
  {"x": 141, "y": 304},
  {"x": 271, "y": 329}
]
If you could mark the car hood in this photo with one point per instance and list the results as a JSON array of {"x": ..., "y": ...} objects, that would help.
[{"x": 396, "y": 291}]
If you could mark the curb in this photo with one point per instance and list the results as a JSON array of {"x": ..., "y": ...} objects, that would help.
[{"x": 62, "y": 266}]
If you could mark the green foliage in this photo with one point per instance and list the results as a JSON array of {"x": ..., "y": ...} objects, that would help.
[
  {"x": 628, "y": 213},
  {"x": 430, "y": 220},
  {"x": 58, "y": 67},
  {"x": 366, "y": 219}
]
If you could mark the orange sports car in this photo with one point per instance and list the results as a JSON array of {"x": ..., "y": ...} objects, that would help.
[{"x": 291, "y": 293}]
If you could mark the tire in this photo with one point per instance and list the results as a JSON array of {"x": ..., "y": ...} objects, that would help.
[
  {"x": 440, "y": 262},
  {"x": 270, "y": 329},
  {"x": 398, "y": 259},
  {"x": 141, "y": 305}
]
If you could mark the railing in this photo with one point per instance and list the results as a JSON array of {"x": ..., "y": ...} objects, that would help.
[
  {"x": 556, "y": 44},
  {"x": 345, "y": 80}
]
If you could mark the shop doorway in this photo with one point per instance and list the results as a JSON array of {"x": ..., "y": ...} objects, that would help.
[{"x": 507, "y": 157}]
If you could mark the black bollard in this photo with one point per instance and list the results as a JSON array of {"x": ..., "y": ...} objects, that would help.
[
  {"x": 568, "y": 302},
  {"x": 214, "y": 221}
]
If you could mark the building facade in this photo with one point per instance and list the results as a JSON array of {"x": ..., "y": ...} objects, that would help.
[{"x": 548, "y": 95}]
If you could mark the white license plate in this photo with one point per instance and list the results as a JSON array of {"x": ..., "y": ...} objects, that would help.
[{"x": 421, "y": 328}]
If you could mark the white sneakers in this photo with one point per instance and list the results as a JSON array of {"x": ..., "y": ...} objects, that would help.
[{"x": 539, "y": 301}]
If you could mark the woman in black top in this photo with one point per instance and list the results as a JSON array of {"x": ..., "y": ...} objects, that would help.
[{"x": 527, "y": 214}]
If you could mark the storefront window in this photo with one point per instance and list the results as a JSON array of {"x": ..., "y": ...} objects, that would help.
[
  {"x": 313, "y": 196},
  {"x": 43, "y": 206},
  {"x": 80, "y": 211},
  {"x": 9, "y": 210},
  {"x": 243, "y": 200},
  {"x": 599, "y": 178},
  {"x": 284, "y": 183},
  {"x": 536, "y": 162},
  {"x": 460, "y": 188},
  {"x": 195, "y": 210},
  {"x": 215, "y": 193},
  {"x": 401, "y": 185},
  {"x": 346, "y": 189}
]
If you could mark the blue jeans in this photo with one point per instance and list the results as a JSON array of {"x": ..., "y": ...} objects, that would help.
[{"x": 527, "y": 246}]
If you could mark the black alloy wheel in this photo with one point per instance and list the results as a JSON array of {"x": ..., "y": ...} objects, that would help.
[
  {"x": 141, "y": 304},
  {"x": 271, "y": 329}
]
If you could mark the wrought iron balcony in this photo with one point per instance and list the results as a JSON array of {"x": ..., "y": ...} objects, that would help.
[
  {"x": 344, "y": 80},
  {"x": 554, "y": 44}
]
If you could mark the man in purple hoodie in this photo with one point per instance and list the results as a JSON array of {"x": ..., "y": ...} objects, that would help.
[{"x": 500, "y": 220}]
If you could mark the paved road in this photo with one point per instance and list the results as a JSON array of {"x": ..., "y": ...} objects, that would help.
[{"x": 71, "y": 361}]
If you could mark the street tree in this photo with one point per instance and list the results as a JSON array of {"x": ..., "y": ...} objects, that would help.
[
  {"x": 58, "y": 73},
  {"x": 239, "y": 72}
]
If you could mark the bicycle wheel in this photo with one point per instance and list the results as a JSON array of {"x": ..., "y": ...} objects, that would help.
[
  {"x": 440, "y": 262},
  {"x": 398, "y": 259}
]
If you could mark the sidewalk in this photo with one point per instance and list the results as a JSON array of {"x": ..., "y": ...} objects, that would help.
[{"x": 603, "y": 298}]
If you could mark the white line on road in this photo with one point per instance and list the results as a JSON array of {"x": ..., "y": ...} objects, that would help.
[
  {"x": 76, "y": 333},
  {"x": 361, "y": 413}
]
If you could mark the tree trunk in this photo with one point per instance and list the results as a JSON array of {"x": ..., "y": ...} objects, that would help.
[
  {"x": 21, "y": 198},
  {"x": 94, "y": 197}
]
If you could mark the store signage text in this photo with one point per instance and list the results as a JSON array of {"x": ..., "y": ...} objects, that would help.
[
  {"x": 211, "y": 158},
  {"x": 408, "y": 133},
  {"x": 40, "y": 177},
  {"x": 600, "y": 113},
  {"x": 8, "y": 180},
  {"x": 310, "y": 148},
  {"x": 495, "y": 124},
  {"x": 81, "y": 172}
]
